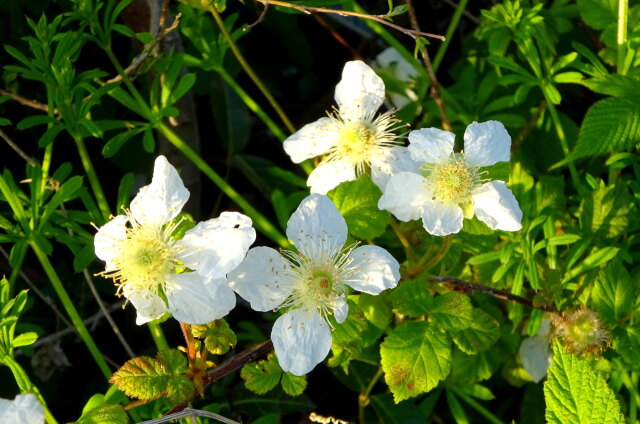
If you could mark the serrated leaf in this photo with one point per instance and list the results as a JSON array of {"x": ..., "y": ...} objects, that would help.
[
  {"x": 105, "y": 414},
  {"x": 451, "y": 312},
  {"x": 179, "y": 389},
  {"x": 610, "y": 125},
  {"x": 605, "y": 211},
  {"x": 293, "y": 385},
  {"x": 613, "y": 294},
  {"x": 412, "y": 298},
  {"x": 576, "y": 394},
  {"x": 218, "y": 337},
  {"x": 481, "y": 334},
  {"x": 262, "y": 376},
  {"x": 376, "y": 309},
  {"x": 147, "y": 378},
  {"x": 626, "y": 341},
  {"x": 415, "y": 357},
  {"x": 357, "y": 201}
]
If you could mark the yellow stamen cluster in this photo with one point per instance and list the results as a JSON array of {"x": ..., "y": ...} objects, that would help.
[
  {"x": 360, "y": 142},
  {"x": 145, "y": 256},
  {"x": 319, "y": 282},
  {"x": 452, "y": 182}
]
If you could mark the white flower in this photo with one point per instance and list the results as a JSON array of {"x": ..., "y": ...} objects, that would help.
[
  {"x": 535, "y": 354},
  {"x": 149, "y": 265},
  {"x": 448, "y": 186},
  {"x": 353, "y": 139},
  {"x": 24, "y": 409},
  {"x": 311, "y": 285},
  {"x": 401, "y": 70}
]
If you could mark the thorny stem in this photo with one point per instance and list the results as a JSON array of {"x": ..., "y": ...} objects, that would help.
[
  {"x": 378, "y": 18},
  {"x": 435, "y": 85},
  {"x": 363, "y": 398},
  {"x": 247, "y": 68},
  {"x": 468, "y": 287},
  {"x": 229, "y": 366}
]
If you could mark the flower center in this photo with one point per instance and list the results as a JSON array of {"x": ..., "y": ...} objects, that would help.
[
  {"x": 320, "y": 283},
  {"x": 354, "y": 143},
  {"x": 146, "y": 256},
  {"x": 453, "y": 181}
]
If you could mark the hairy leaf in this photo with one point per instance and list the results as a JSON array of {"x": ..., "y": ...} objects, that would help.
[
  {"x": 415, "y": 357},
  {"x": 576, "y": 394}
]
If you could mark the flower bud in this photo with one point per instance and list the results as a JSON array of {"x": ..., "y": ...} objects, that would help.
[{"x": 582, "y": 331}]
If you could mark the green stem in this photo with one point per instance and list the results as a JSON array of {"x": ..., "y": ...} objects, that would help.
[
  {"x": 563, "y": 143},
  {"x": 481, "y": 409},
  {"x": 93, "y": 177},
  {"x": 71, "y": 309},
  {"x": 26, "y": 386},
  {"x": 259, "y": 221},
  {"x": 455, "y": 19},
  {"x": 363, "y": 399},
  {"x": 621, "y": 39},
  {"x": 251, "y": 104},
  {"x": 423, "y": 264},
  {"x": 158, "y": 336},
  {"x": 145, "y": 111},
  {"x": 245, "y": 65}
]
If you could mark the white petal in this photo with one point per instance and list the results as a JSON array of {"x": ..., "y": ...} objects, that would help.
[
  {"x": 312, "y": 140},
  {"x": 24, "y": 409},
  {"x": 486, "y": 143},
  {"x": 535, "y": 356},
  {"x": 496, "y": 206},
  {"x": 194, "y": 299},
  {"x": 316, "y": 228},
  {"x": 376, "y": 269},
  {"x": 329, "y": 174},
  {"x": 441, "y": 219},
  {"x": 149, "y": 305},
  {"x": 403, "y": 71},
  {"x": 108, "y": 240},
  {"x": 396, "y": 160},
  {"x": 360, "y": 92},
  {"x": 263, "y": 279},
  {"x": 215, "y": 247},
  {"x": 340, "y": 309},
  {"x": 163, "y": 199},
  {"x": 431, "y": 145},
  {"x": 301, "y": 339},
  {"x": 404, "y": 196}
]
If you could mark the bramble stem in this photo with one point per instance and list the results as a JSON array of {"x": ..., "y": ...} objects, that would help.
[
  {"x": 247, "y": 68},
  {"x": 93, "y": 177},
  {"x": 363, "y": 398},
  {"x": 71, "y": 309}
]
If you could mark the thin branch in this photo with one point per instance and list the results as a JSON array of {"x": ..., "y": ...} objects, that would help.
[
  {"x": 190, "y": 413},
  {"x": 260, "y": 18},
  {"x": 229, "y": 366},
  {"x": 382, "y": 19},
  {"x": 435, "y": 85},
  {"x": 464, "y": 12},
  {"x": 24, "y": 101},
  {"x": 468, "y": 287},
  {"x": 17, "y": 149}
]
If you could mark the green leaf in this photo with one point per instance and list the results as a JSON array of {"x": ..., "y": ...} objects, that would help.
[
  {"x": 357, "y": 201},
  {"x": 452, "y": 312},
  {"x": 376, "y": 309},
  {"x": 598, "y": 14},
  {"x": 34, "y": 120},
  {"x": 293, "y": 385},
  {"x": 613, "y": 294},
  {"x": 105, "y": 414},
  {"x": 626, "y": 341},
  {"x": 614, "y": 85},
  {"x": 480, "y": 335},
  {"x": 415, "y": 357},
  {"x": 576, "y": 394},
  {"x": 262, "y": 376},
  {"x": 116, "y": 142},
  {"x": 218, "y": 337},
  {"x": 610, "y": 125},
  {"x": 24, "y": 339},
  {"x": 147, "y": 378},
  {"x": 412, "y": 298},
  {"x": 390, "y": 413},
  {"x": 605, "y": 211}
]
